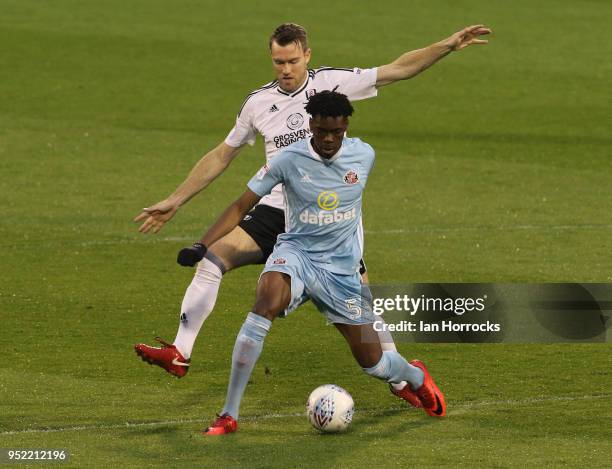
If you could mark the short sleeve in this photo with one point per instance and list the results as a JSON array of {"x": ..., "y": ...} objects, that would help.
[
  {"x": 372, "y": 159},
  {"x": 268, "y": 176},
  {"x": 244, "y": 129},
  {"x": 356, "y": 83},
  {"x": 369, "y": 156}
]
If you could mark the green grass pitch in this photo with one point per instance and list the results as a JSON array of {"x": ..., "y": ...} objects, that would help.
[{"x": 493, "y": 166}]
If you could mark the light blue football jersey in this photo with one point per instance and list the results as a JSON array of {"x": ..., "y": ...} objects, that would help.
[{"x": 322, "y": 200}]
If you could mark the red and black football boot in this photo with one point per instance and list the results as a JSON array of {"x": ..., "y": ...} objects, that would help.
[
  {"x": 429, "y": 394},
  {"x": 223, "y": 424},
  {"x": 408, "y": 395},
  {"x": 166, "y": 357}
]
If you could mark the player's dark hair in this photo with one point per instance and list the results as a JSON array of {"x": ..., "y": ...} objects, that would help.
[
  {"x": 287, "y": 33},
  {"x": 329, "y": 104}
]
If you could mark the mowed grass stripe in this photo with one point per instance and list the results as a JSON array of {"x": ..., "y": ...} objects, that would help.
[
  {"x": 390, "y": 231},
  {"x": 454, "y": 409}
]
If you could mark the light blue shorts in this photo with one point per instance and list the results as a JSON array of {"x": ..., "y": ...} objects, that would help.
[{"x": 338, "y": 297}]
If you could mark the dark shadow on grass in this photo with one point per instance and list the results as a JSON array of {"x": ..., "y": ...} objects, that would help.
[
  {"x": 414, "y": 420},
  {"x": 149, "y": 431}
]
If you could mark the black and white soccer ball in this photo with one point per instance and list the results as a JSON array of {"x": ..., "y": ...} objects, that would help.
[{"x": 330, "y": 408}]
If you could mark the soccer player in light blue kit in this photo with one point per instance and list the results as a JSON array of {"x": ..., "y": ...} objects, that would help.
[{"x": 317, "y": 258}]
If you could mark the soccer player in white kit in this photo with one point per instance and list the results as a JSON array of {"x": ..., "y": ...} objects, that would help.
[{"x": 276, "y": 111}]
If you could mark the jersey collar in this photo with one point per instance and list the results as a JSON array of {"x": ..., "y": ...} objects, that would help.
[
  {"x": 326, "y": 161},
  {"x": 295, "y": 93}
]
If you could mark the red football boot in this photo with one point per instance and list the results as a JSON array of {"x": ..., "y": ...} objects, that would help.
[
  {"x": 429, "y": 394},
  {"x": 408, "y": 395},
  {"x": 166, "y": 356},
  {"x": 223, "y": 424}
]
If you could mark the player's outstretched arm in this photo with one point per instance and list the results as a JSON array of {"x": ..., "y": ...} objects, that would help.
[
  {"x": 414, "y": 62},
  {"x": 203, "y": 173},
  {"x": 225, "y": 223},
  {"x": 231, "y": 217}
]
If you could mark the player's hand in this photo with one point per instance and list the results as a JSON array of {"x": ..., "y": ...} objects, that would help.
[
  {"x": 468, "y": 36},
  {"x": 156, "y": 216},
  {"x": 188, "y": 257}
]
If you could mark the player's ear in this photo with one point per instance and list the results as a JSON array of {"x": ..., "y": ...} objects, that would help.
[{"x": 307, "y": 55}]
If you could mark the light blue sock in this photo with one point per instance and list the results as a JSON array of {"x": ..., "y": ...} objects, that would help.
[
  {"x": 247, "y": 349},
  {"x": 393, "y": 368}
]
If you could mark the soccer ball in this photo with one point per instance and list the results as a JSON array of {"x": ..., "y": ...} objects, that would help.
[{"x": 330, "y": 408}]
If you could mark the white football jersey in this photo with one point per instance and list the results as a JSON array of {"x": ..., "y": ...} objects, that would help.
[{"x": 280, "y": 117}]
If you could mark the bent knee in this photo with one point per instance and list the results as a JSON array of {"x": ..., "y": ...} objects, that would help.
[
  {"x": 236, "y": 249},
  {"x": 269, "y": 308},
  {"x": 273, "y": 294}
]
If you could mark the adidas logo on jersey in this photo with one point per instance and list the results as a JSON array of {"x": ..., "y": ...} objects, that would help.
[
  {"x": 326, "y": 218},
  {"x": 306, "y": 178},
  {"x": 274, "y": 108}
]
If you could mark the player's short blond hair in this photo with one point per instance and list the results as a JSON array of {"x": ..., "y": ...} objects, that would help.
[{"x": 287, "y": 33}]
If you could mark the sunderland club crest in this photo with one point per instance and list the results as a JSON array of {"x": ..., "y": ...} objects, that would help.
[{"x": 351, "y": 177}]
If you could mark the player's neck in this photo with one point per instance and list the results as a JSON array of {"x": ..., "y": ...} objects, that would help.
[
  {"x": 326, "y": 159},
  {"x": 298, "y": 86}
]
